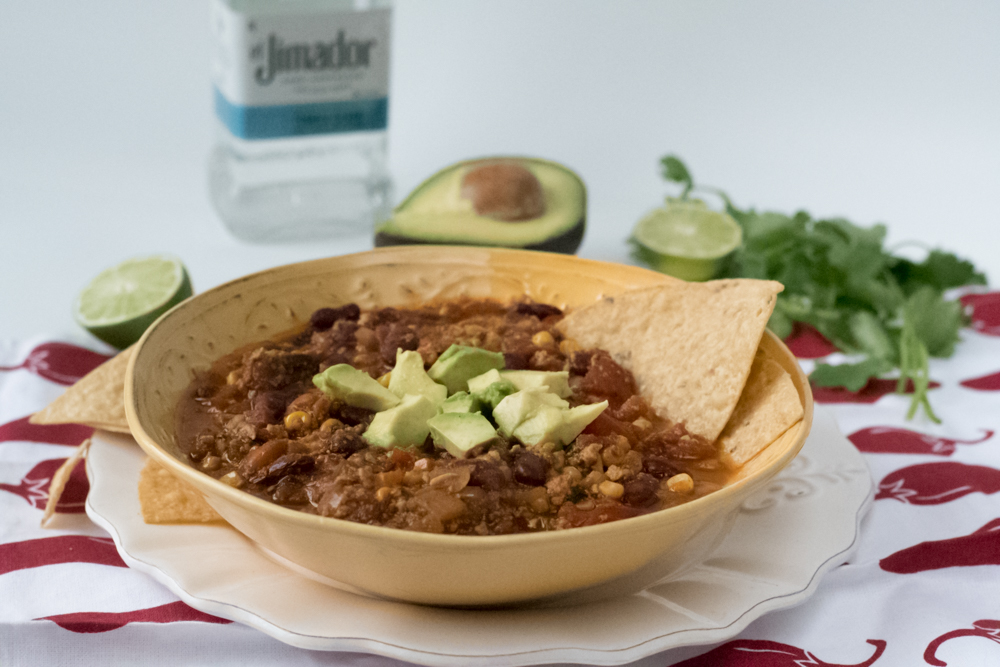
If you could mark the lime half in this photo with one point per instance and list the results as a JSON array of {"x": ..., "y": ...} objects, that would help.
[
  {"x": 121, "y": 302},
  {"x": 686, "y": 239}
]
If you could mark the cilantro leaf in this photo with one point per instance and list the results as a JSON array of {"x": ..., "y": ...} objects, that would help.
[
  {"x": 674, "y": 170},
  {"x": 941, "y": 270},
  {"x": 935, "y": 322},
  {"x": 873, "y": 338},
  {"x": 850, "y": 376}
]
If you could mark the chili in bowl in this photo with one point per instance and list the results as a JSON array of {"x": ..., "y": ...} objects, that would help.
[{"x": 575, "y": 479}]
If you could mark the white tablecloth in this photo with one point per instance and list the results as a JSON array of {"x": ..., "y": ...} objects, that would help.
[{"x": 923, "y": 586}]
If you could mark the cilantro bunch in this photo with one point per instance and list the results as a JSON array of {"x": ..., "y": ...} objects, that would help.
[{"x": 840, "y": 278}]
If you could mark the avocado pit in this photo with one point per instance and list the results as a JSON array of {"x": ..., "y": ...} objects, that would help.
[{"x": 505, "y": 191}]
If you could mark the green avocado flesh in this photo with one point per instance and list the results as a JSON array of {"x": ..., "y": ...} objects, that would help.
[{"x": 436, "y": 213}]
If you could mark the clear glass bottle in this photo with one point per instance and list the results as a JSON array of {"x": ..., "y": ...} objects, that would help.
[{"x": 301, "y": 100}]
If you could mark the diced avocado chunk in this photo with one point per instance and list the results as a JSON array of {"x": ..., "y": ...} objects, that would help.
[
  {"x": 459, "y": 432},
  {"x": 409, "y": 377},
  {"x": 519, "y": 406},
  {"x": 461, "y": 401},
  {"x": 555, "y": 381},
  {"x": 459, "y": 363},
  {"x": 489, "y": 389},
  {"x": 355, "y": 387},
  {"x": 404, "y": 425},
  {"x": 481, "y": 382},
  {"x": 550, "y": 424}
]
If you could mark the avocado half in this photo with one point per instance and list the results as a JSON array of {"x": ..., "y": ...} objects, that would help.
[{"x": 436, "y": 213}]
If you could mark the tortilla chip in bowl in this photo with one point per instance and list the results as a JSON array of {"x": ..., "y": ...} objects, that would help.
[{"x": 619, "y": 556}]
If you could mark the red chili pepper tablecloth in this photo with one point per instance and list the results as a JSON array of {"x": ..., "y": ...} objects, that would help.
[{"x": 923, "y": 587}]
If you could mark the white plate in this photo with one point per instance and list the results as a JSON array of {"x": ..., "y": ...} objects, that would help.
[{"x": 782, "y": 541}]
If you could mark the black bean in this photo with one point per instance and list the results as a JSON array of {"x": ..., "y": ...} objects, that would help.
[
  {"x": 486, "y": 475},
  {"x": 518, "y": 360},
  {"x": 640, "y": 491},
  {"x": 324, "y": 318},
  {"x": 539, "y": 310},
  {"x": 530, "y": 468},
  {"x": 353, "y": 416},
  {"x": 267, "y": 407},
  {"x": 276, "y": 369},
  {"x": 290, "y": 491},
  {"x": 394, "y": 337},
  {"x": 346, "y": 441},
  {"x": 658, "y": 466},
  {"x": 579, "y": 363}
]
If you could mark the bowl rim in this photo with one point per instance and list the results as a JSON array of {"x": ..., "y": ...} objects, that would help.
[{"x": 666, "y": 517}]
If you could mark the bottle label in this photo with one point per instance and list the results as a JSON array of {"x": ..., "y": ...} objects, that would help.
[{"x": 287, "y": 75}]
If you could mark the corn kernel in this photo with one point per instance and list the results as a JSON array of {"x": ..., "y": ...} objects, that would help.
[
  {"x": 681, "y": 483},
  {"x": 298, "y": 421},
  {"x": 568, "y": 346},
  {"x": 642, "y": 424},
  {"x": 542, "y": 339},
  {"x": 384, "y": 379},
  {"x": 611, "y": 489},
  {"x": 211, "y": 462},
  {"x": 233, "y": 479}
]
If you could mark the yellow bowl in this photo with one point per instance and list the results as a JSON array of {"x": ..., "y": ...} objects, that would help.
[{"x": 561, "y": 566}]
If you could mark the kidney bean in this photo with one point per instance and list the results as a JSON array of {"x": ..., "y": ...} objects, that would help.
[
  {"x": 530, "y": 468},
  {"x": 640, "y": 491},
  {"x": 288, "y": 464},
  {"x": 632, "y": 409},
  {"x": 605, "y": 424},
  {"x": 260, "y": 457},
  {"x": 605, "y": 377}
]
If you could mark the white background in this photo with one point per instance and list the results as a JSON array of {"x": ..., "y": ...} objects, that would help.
[{"x": 878, "y": 111}]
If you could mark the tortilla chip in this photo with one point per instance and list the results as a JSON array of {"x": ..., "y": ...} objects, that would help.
[
  {"x": 96, "y": 400},
  {"x": 767, "y": 408},
  {"x": 59, "y": 479},
  {"x": 689, "y": 345},
  {"x": 166, "y": 499}
]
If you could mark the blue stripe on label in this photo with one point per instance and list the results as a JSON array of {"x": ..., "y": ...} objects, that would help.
[{"x": 294, "y": 120}]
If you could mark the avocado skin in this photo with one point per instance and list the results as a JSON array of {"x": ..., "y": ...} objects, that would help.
[{"x": 567, "y": 243}]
